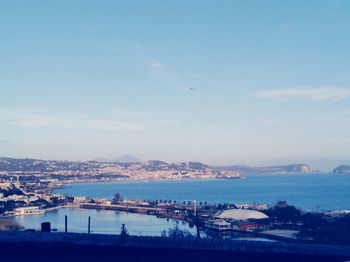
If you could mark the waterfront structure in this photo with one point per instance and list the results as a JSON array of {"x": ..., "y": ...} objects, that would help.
[
  {"x": 218, "y": 224},
  {"x": 235, "y": 219},
  {"x": 27, "y": 211},
  {"x": 79, "y": 200},
  {"x": 240, "y": 214}
]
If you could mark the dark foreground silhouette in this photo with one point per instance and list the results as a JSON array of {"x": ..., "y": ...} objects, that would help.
[{"x": 38, "y": 246}]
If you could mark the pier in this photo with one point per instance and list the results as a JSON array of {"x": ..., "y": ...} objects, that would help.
[{"x": 126, "y": 208}]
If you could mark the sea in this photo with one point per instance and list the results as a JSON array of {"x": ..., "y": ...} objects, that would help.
[{"x": 309, "y": 192}]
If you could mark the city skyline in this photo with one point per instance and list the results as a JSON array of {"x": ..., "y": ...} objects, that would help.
[{"x": 227, "y": 82}]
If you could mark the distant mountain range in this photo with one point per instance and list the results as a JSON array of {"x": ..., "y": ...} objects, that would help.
[
  {"x": 127, "y": 167},
  {"x": 33, "y": 170},
  {"x": 36, "y": 165},
  {"x": 13, "y": 164},
  {"x": 120, "y": 159}
]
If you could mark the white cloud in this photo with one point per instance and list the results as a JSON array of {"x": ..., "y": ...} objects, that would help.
[
  {"x": 45, "y": 117},
  {"x": 324, "y": 93}
]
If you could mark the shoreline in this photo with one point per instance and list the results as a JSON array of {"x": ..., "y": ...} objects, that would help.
[
  {"x": 45, "y": 210},
  {"x": 126, "y": 180},
  {"x": 131, "y": 180}
]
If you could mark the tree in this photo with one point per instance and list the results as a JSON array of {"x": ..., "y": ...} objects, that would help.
[
  {"x": 117, "y": 198},
  {"x": 284, "y": 212},
  {"x": 123, "y": 232},
  {"x": 176, "y": 232}
]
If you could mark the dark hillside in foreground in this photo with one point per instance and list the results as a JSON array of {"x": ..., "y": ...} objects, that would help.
[{"x": 37, "y": 246}]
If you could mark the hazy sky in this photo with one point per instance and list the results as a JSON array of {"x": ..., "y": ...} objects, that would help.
[{"x": 214, "y": 81}]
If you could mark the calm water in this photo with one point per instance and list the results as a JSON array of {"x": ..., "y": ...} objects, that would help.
[
  {"x": 309, "y": 192},
  {"x": 102, "y": 221}
]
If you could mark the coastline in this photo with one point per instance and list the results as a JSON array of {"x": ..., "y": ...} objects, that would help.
[
  {"x": 131, "y": 180},
  {"x": 127, "y": 180},
  {"x": 45, "y": 210}
]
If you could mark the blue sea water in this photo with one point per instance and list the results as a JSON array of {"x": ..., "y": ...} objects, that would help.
[{"x": 310, "y": 192}]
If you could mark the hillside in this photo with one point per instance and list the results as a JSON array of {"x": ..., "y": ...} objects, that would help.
[
  {"x": 342, "y": 169},
  {"x": 34, "y": 169}
]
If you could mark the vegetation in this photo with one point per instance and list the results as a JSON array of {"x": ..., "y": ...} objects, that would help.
[
  {"x": 284, "y": 212},
  {"x": 9, "y": 225},
  {"x": 124, "y": 232},
  {"x": 327, "y": 230},
  {"x": 117, "y": 198},
  {"x": 176, "y": 233},
  {"x": 315, "y": 227}
]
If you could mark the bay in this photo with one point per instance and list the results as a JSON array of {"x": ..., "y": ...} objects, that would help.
[{"x": 310, "y": 192}]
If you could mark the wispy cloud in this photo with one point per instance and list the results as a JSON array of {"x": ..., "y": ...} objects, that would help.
[
  {"x": 5, "y": 141},
  {"x": 123, "y": 112},
  {"x": 157, "y": 67},
  {"x": 45, "y": 117},
  {"x": 115, "y": 119},
  {"x": 324, "y": 93},
  {"x": 160, "y": 71}
]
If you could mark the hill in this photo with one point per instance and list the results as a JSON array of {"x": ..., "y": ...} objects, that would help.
[
  {"x": 342, "y": 169},
  {"x": 35, "y": 169}
]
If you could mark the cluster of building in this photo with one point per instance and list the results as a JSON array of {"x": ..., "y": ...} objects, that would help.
[
  {"x": 69, "y": 171},
  {"x": 17, "y": 198},
  {"x": 216, "y": 217}
]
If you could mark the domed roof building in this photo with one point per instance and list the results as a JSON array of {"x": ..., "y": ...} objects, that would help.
[{"x": 240, "y": 214}]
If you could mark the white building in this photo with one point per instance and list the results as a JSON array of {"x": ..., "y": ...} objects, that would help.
[
  {"x": 218, "y": 224},
  {"x": 78, "y": 200},
  {"x": 27, "y": 211}
]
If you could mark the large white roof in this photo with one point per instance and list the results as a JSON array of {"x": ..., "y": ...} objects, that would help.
[{"x": 240, "y": 214}]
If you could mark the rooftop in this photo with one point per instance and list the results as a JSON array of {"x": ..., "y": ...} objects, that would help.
[{"x": 240, "y": 214}]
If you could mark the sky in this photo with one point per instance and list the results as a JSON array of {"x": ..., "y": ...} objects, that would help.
[{"x": 221, "y": 82}]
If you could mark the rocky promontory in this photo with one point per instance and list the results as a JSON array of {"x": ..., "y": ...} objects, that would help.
[{"x": 342, "y": 169}]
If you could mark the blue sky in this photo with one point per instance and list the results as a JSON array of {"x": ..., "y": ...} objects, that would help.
[{"x": 222, "y": 82}]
